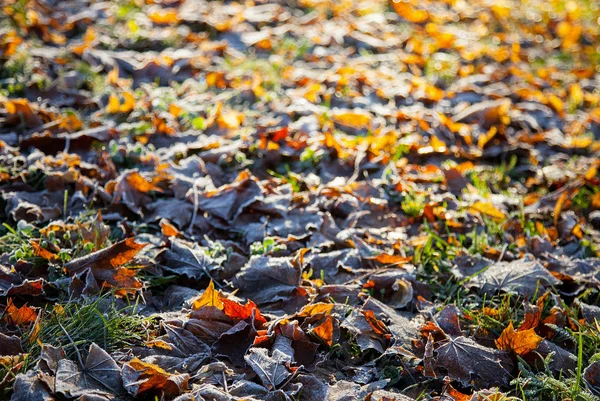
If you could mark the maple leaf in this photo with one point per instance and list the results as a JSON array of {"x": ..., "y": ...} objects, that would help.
[
  {"x": 191, "y": 262},
  {"x": 519, "y": 276},
  {"x": 270, "y": 369},
  {"x": 99, "y": 375},
  {"x": 266, "y": 279},
  {"x": 210, "y": 297},
  {"x": 466, "y": 361},
  {"x": 232, "y": 309},
  {"x": 521, "y": 342},
  {"x": 25, "y": 315}
]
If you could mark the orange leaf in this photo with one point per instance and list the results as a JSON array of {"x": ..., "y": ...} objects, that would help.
[
  {"x": 352, "y": 119},
  {"x": 141, "y": 184},
  {"x": 23, "y": 109},
  {"x": 325, "y": 331},
  {"x": 596, "y": 201},
  {"x": 457, "y": 395},
  {"x": 559, "y": 205},
  {"x": 111, "y": 257},
  {"x": 164, "y": 17},
  {"x": 143, "y": 376},
  {"x": 377, "y": 325},
  {"x": 409, "y": 13},
  {"x": 238, "y": 311},
  {"x": 105, "y": 265},
  {"x": 521, "y": 342},
  {"x": 386, "y": 259},
  {"x": 41, "y": 252},
  {"x": 175, "y": 110},
  {"x": 24, "y": 315},
  {"x": 168, "y": 229}
]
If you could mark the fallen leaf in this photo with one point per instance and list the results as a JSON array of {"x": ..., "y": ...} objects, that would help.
[
  {"x": 521, "y": 342},
  {"x": 99, "y": 375},
  {"x": 270, "y": 369},
  {"x": 468, "y": 362},
  {"x": 141, "y": 377},
  {"x": 488, "y": 209},
  {"x": 324, "y": 331},
  {"x": 210, "y": 297}
]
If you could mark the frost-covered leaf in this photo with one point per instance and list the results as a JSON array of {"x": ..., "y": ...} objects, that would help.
[{"x": 464, "y": 360}]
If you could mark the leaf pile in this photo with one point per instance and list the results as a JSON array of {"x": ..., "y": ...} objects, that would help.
[{"x": 300, "y": 200}]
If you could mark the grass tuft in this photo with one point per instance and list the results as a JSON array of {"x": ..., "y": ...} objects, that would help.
[{"x": 74, "y": 326}]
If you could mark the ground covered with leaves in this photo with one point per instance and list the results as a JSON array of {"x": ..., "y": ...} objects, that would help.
[{"x": 300, "y": 200}]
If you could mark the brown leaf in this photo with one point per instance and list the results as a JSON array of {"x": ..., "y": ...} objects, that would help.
[
  {"x": 376, "y": 325},
  {"x": 106, "y": 265},
  {"x": 112, "y": 257}
]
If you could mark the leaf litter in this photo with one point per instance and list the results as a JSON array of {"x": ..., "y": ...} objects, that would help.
[{"x": 300, "y": 200}]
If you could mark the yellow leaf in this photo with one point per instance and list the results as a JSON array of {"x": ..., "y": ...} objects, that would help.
[
  {"x": 576, "y": 95},
  {"x": 164, "y": 17},
  {"x": 128, "y": 103},
  {"x": 113, "y": 104},
  {"x": 557, "y": 104},
  {"x": 113, "y": 76},
  {"x": 89, "y": 36},
  {"x": 559, "y": 205},
  {"x": 312, "y": 93},
  {"x": 485, "y": 138},
  {"x": 488, "y": 209},
  {"x": 591, "y": 173},
  {"x": 211, "y": 297},
  {"x": 316, "y": 309},
  {"x": 357, "y": 120},
  {"x": 230, "y": 120}
]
